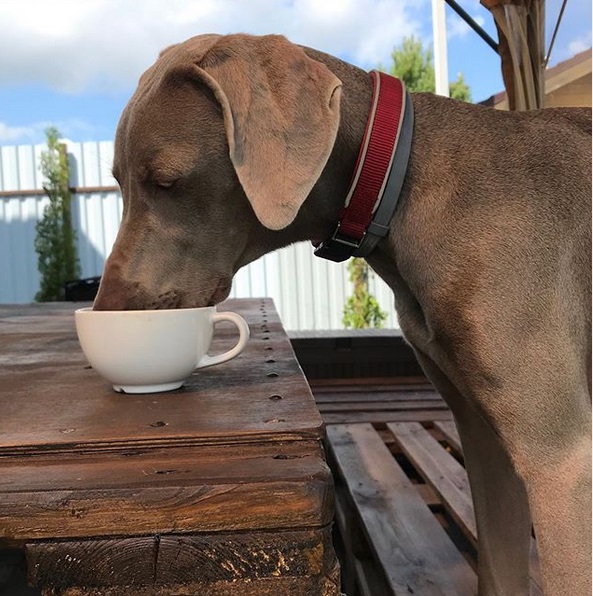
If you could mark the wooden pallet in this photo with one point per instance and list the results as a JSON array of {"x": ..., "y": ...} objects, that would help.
[
  {"x": 379, "y": 401},
  {"x": 404, "y": 515}
]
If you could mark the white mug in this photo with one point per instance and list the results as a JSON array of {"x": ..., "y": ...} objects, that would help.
[{"x": 149, "y": 351}]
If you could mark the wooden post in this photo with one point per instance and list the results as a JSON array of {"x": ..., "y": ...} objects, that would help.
[{"x": 520, "y": 25}]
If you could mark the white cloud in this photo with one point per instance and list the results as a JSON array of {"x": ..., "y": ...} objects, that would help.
[
  {"x": 74, "y": 45},
  {"x": 457, "y": 27},
  {"x": 35, "y": 131},
  {"x": 567, "y": 49},
  {"x": 579, "y": 45},
  {"x": 11, "y": 134}
]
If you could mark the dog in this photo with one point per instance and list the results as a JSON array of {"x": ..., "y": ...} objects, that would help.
[{"x": 233, "y": 146}]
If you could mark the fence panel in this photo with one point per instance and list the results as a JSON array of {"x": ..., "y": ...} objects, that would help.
[{"x": 309, "y": 292}]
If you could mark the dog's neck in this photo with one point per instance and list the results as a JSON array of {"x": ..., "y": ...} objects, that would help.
[{"x": 320, "y": 212}]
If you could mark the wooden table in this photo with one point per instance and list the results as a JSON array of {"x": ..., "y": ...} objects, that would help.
[{"x": 220, "y": 487}]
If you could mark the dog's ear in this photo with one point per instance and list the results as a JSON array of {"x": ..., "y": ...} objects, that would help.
[{"x": 281, "y": 113}]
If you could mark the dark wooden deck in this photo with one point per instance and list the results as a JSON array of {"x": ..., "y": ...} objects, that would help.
[{"x": 404, "y": 515}]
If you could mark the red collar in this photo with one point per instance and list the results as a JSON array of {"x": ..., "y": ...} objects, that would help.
[{"x": 379, "y": 173}]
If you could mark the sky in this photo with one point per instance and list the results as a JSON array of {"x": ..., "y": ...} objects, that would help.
[{"x": 75, "y": 63}]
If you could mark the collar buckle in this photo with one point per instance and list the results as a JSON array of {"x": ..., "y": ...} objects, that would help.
[{"x": 338, "y": 248}]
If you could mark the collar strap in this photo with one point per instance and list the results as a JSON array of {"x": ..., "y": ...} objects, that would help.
[{"x": 379, "y": 173}]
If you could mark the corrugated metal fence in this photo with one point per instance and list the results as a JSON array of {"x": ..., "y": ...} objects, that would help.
[{"x": 309, "y": 292}]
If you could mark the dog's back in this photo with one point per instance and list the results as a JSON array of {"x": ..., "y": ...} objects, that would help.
[
  {"x": 579, "y": 118},
  {"x": 495, "y": 157}
]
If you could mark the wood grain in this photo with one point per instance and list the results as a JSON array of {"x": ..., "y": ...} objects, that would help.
[
  {"x": 413, "y": 549},
  {"x": 446, "y": 476},
  {"x": 181, "y": 559},
  {"x": 198, "y": 489},
  {"x": 384, "y": 416},
  {"x": 327, "y": 585},
  {"x": 378, "y": 403}
]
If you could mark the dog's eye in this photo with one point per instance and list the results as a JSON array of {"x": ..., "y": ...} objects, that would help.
[{"x": 165, "y": 184}]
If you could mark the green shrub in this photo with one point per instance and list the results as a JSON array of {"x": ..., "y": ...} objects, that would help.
[
  {"x": 361, "y": 310},
  {"x": 55, "y": 242}
]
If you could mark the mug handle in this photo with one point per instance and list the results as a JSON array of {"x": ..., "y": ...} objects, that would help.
[{"x": 243, "y": 328}]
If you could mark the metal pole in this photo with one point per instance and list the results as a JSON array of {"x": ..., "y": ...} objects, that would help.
[
  {"x": 455, "y": 6},
  {"x": 547, "y": 59},
  {"x": 439, "y": 35}
]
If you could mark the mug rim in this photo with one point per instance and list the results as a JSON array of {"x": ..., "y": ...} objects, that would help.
[{"x": 89, "y": 309}]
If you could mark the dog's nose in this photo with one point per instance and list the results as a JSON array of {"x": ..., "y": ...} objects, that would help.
[
  {"x": 109, "y": 299},
  {"x": 106, "y": 300},
  {"x": 115, "y": 293}
]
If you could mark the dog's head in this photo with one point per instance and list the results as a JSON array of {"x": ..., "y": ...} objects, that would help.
[{"x": 221, "y": 143}]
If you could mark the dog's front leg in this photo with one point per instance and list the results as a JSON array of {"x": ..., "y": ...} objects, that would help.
[
  {"x": 500, "y": 500},
  {"x": 543, "y": 421},
  {"x": 559, "y": 490},
  {"x": 542, "y": 414}
]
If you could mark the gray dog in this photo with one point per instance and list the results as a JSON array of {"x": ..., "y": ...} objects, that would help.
[{"x": 234, "y": 146}]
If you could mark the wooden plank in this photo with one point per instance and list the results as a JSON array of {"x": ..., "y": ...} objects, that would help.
[
  {"x": 383, "y": 406},
  {"x": 413, "y": 549},
  {"x": 242, "y": 555},
  {"x": 275, "y": 586},
  {"x": 361, "y": 572},
  {"x": 428, "y": 494},
  {"x": 369, "y": 583},
  {"x": 181, "y": 559},
  {"x": 343, "y": 543},
  {"x": 449, "y": 480},
  {"x": 96, "y": 483},
  {"x": 370, "y": 396},
  {"x": 117, "y": 562},
  {"x": 444, "y": 473},
  {"x": 382, "y": 417},
  {"x": 373, "y": 383},
  {"x": 199, "y": 489}
]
